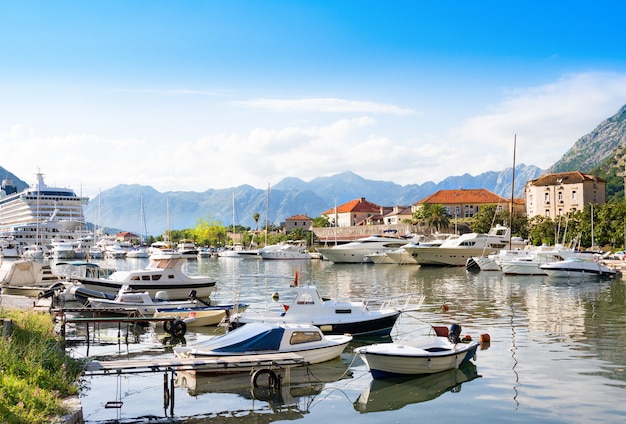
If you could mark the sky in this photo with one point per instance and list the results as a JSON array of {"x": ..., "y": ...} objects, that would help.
[{"x": 197, "y": 95}]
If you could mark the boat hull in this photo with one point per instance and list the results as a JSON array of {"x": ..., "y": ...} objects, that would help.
[
  {"x": 375, "y": 326},
  {"x": 397, "y": 359},
  {"x": 175, "y": 291},
  {"x": 442, "y": 256},
  {"x": 310, "y": 356}
]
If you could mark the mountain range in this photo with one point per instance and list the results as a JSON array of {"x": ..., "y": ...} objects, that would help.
[{"x": 130, "y": 207}]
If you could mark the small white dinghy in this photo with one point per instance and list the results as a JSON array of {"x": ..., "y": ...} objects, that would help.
[{"x": 426, "y": 355}]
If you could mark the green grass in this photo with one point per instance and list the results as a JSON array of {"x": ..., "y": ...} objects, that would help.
[{"x": 35, "y": 373}]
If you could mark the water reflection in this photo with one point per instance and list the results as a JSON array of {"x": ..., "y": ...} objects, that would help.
[
  {"x": 396, "y": 393},
  {"x": 556, "y": 354}
]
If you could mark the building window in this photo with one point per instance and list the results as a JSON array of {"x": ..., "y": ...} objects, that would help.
[
  {"x": 547, "y": 212},
  {"x": 573, "y": 194},
  {"x": 546, "y": 198},
  {"x": 560, "y": 196}
]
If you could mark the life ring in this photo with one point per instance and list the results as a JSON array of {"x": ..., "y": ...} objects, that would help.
[{"x": 273, "y": 381}]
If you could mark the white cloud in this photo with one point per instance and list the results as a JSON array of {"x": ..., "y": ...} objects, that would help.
[
  {"x": 547, "y": 119},
  {"x": 323, "y": 105}
]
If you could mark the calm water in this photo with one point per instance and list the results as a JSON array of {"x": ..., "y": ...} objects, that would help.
[{"x": 557, "y": 352}]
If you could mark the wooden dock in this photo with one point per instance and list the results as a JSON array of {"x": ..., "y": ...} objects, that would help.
[{"x": 220, "y": 364}]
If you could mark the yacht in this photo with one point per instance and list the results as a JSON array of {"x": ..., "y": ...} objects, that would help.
[
  {"x": 287, "y": 250},
  {"x": 357, "y": 251},
  {"x": 456, "y": 251},
  {"x": 164, "y": 272},
  {"x": 187, "y": 248},
  {"x": 37, "y": 215}
]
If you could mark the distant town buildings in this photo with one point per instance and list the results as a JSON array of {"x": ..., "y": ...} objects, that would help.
[{"x": 551, "y": 195}]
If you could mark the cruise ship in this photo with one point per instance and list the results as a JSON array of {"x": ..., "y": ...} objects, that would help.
[{"x": 40, "y": 214}]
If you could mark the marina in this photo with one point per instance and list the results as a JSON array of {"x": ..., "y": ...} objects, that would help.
[{"x": 556, "y": 352}]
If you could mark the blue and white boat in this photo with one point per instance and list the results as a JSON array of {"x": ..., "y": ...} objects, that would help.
[
  {"x": 252, "y": 339},
  {"x": 333, "y": 316}
]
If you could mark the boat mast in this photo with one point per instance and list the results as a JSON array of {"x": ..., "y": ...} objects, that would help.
[
  {"x": 511, "y": 209},
  {"x": 267, "y": 212}
]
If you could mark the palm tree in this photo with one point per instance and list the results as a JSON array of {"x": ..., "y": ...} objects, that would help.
[
  {"x": 256, "y": 217},
  {"x": 435, "y": 215}
]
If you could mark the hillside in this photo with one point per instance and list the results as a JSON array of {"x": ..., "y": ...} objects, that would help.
[
  {"x": 119, "y": 207},
  {"x": 604, "y": 142}
]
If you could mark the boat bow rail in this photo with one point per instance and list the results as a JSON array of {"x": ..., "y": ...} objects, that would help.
[{"x": 403, "y": 303}]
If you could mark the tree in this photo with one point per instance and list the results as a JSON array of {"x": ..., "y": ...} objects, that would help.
[
  {"x": 256, "y": 217},
  {"x": 435, "y": 216},
  {"x": 321, "y": 221},
  {"x": 209, "y": 232}
]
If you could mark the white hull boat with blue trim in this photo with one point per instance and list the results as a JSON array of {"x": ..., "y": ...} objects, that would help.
[
  {"x": 304, "y": 340},
  {"x": 426, "y": 355}
]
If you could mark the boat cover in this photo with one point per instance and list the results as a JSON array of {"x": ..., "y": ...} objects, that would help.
[{"x": 266, "y": 340}]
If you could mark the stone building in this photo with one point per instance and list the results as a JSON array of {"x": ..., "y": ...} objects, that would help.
[
  {"x": 298, "y": 221},
  {"x": 555, "y": 195}
]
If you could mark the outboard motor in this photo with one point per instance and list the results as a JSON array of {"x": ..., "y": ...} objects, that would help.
[{"x": 455, "y": 334}]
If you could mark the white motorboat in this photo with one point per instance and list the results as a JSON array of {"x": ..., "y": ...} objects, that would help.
[
  {"x": 62, "y": 249},
  {"x": 231, "y": 251},
  {"x": 307, "y": 341},
  {"x": 357, "y": 251},
  {"x": 139, "y": 252},
  {"x": 288, "y": 250},
  {"x": 114, "y": 251},
  {"x": 34, "y": 252},
  {"x": 359, "y": 318},
  {"x": 456, "y": 251},
  {"x": 531, "y": 263},
  {"x": 425, "y": 355},
  {"x": 578, "y": 268},
  {"x": 187, "y": 248},
  {"x": 140, "y": 301},
  {"x": 164, "y": 272}
]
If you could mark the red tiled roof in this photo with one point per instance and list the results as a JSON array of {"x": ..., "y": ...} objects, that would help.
[
  {"x": 356, "y": 205},
  {"x": 479, "y": 195},
  {"x": 575, "y": 177},
  {"x": 298, "y": 217}
]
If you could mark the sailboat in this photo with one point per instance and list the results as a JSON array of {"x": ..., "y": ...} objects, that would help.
[
  {"x": 142, "y": 250},
  {"x": 233, "y": 250}
]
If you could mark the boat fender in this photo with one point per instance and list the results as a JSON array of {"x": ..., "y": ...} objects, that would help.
[
  {"x": 272, "y": 379},
  {"x": 179, "y": 328},
  {"x": 485, "y": 338}
]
